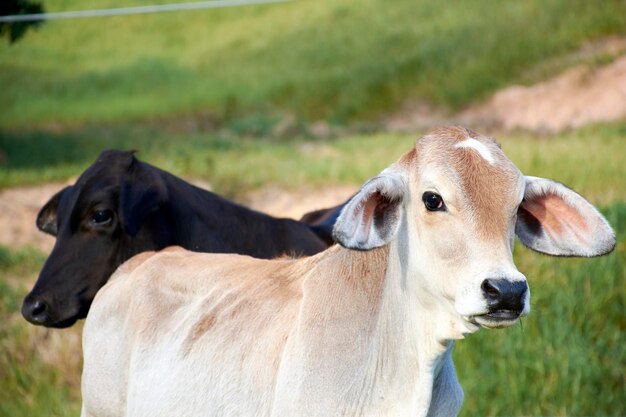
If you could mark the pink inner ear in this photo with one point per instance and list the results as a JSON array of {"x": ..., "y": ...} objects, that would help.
[
  {"x": 556, "y": 216},
  {"x": 369, "y": 211}
]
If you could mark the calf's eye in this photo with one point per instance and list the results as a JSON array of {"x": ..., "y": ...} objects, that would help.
[
  {"x": 102, "y": 217},
  {"x": 433, "y": 201}
]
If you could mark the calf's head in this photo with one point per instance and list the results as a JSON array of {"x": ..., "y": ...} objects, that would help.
[
  {"x": 453, "y": 205},
  {"x": 97, "y": 224}
]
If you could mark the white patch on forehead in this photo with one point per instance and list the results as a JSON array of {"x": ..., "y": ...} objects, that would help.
[{"x": 477, "y": 146}]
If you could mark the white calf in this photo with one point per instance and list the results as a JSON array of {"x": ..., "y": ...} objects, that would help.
[{"x": 362, "y": 329}]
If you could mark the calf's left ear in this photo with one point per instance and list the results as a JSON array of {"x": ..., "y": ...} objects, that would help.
[
  {"x": 555, "y": 220},
  {"x": 371, "y": 218}
]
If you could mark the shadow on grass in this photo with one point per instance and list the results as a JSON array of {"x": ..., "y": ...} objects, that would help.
[
  {"x": 41, "y": 149},
  {"x": 31, "y": 157}
]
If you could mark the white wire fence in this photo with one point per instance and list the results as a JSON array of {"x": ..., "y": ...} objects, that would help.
[{"x": 123, "y": 11}]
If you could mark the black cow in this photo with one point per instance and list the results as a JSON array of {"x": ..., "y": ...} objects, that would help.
[
  {"x": 121, "y": 206},
  {"x": 322, "y": 221}
]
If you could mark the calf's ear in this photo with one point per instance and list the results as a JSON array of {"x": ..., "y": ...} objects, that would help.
[
  {"x": 371, "y": 218},
  {"x": 47, "y": 217},
  {"x": 141, "y": 194},
  {"x": 555, "y": 220}
]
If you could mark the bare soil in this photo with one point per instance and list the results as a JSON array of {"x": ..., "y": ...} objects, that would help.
[
  {"x": 293, "y": 204},
  {"x": 577, "y": 97},
  {"x": 18, "y": 212},
  {"x": 582, "y": 94}
]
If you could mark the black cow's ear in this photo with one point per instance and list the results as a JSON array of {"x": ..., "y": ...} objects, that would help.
[
  {"x": 47, "y": 217},
  {"x": 142, "y": 193},
  {"x": 322, "y": 221}
]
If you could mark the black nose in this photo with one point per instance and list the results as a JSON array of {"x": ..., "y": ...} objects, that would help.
[
  {"x": 502, "y": 294},
  {"x": 35, "y": 311}
]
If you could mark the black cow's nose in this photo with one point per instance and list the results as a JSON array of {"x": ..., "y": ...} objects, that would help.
[
  {"x": 502, "y": 294},
  {"x": 35, "y": 311}
]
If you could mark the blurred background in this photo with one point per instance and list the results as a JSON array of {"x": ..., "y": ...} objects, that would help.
[{"x": 289, "y": 107}]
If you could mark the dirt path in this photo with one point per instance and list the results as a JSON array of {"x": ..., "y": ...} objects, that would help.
[
  {"x": 294, "y": 204},
  {"x": 580, "y": 95},
  {"x": 18, "y": 212}
]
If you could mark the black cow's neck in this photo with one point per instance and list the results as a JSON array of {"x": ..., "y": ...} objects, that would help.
[{"x": 205, "y": 222}]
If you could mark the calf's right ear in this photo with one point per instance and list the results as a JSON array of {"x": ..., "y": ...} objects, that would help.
[
  {"x": 371, "y": 218},
  {"x": 47, "y": 217}
]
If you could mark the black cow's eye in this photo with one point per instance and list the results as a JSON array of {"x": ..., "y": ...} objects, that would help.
[
  {"x": 102, "y": 217},
  {"x": 433, "y": 201}
]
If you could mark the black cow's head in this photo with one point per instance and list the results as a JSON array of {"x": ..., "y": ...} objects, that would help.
[{"x": 109, "y": 215}]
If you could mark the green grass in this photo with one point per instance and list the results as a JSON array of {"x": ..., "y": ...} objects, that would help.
[
  {"x": 338, "y": 60},
  {"x": 28, "y": 385},
  {"x": 566, "y": 360},
  {"x": 236, "y": 165}
]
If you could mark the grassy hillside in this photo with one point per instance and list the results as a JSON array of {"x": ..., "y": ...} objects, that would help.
[
  {"x": 565, "y": 359},
  {"x": 235, "y": 166},
  {"x": 335, "y": 60}
]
